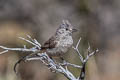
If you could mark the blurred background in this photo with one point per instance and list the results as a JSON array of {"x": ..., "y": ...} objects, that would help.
[{"x": 98, "y": 22}]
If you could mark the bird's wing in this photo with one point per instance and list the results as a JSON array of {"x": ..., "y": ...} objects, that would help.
[{"x": 51, "y": 43}]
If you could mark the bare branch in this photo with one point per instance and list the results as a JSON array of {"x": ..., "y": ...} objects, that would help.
[
  {"x": 77, "y": 50},
  {"x": 30, "y": 38},
  {"x": 83, "y": 71},
  {"x": 37, "y": 42},
  {"x": 17, "y": 49},
  {"x": 3, "y": 51},
  {"x": 78, "y": 42},
  {"x": 34, "y": 41},
  {"x": 24, "y": 49},
  {"x": 70, "y": 64},
  {"x": 50, "y": 63},
  {"x": 27, "y": 41},
  {"x": 53, "y": 66},
  {"x": 90, "y": 54}
]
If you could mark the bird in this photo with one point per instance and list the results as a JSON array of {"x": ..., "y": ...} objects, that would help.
[
  {"x": 61, "y": 41},
  {"x": 57, "y": 45}
]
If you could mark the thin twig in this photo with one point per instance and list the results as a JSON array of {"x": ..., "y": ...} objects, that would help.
[
  {"x": 17, "y": 49},
  {"x": 78, "y": 42},
  {"x": 90, "y": 54},
  {"x": 70, "y": 64},
  {"x": 27, "y": 41},
  {"x": 76, "y": 49},
  {"x": 34, "y": 41},
  {"x": 4, "y": 51}
]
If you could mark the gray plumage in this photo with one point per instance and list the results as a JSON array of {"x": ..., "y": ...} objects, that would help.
[{"x": 61, "y": 41}]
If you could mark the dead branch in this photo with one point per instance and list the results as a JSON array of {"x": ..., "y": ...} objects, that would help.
[{"x": 50, "y": 63}]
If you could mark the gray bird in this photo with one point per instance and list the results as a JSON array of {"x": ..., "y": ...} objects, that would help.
[
  {"x": 61, "y": 41},
  {"x": 57, "y": 45}
]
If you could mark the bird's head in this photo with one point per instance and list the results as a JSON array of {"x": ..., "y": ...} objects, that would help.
[{"x": 66, "y": 28}]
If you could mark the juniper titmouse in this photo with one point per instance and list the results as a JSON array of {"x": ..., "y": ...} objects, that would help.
[
  {"x": 57, "y": 45},
  {"x": 61, "y": 41}
]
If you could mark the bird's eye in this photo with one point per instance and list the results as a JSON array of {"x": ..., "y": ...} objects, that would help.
[{"x": 66, "y": 29}]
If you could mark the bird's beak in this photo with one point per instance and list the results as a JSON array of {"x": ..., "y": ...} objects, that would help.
[{"x": 74, "y": 30}]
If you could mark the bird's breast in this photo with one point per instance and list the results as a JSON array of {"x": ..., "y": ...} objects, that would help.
[
  {"x": 62, "y": 47},
  {"x": 66, "y": 41},
  {"x": 57, "y": 51}
]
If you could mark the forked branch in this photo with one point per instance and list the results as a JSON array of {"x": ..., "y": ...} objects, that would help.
[{"x": 50, "y": 63}]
